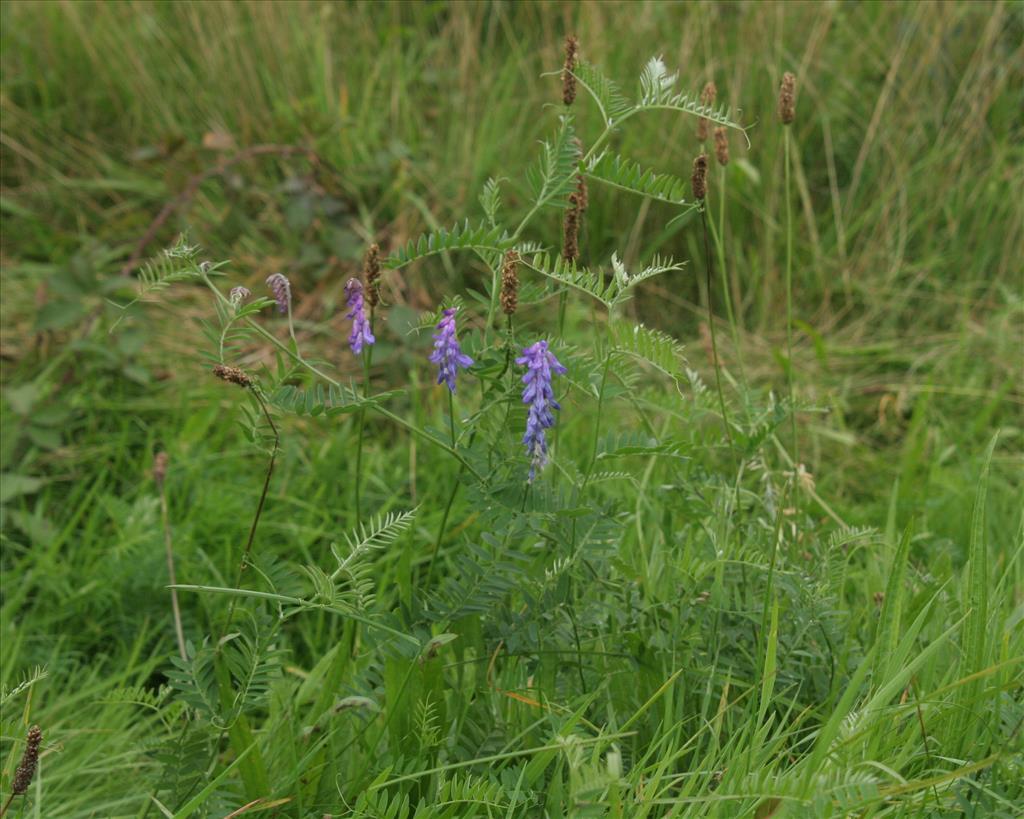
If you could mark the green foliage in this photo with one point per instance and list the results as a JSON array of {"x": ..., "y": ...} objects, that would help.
[{"x": 622, "y": 173}]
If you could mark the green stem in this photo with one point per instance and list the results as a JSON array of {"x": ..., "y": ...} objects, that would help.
[
  {"x": 714, "y": 343},
  {"x": 789, "y": 300},
  {"x": 718, "y": 236},
  {"x": 597, "y": 424},
  {"x": 495, "y": 274},
  {"x": 367, "y": 355},
  {"x": 259, "y": 511},
  {"x": 451, "y": 497}
]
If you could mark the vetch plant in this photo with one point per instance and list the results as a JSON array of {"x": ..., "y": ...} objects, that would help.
[{"x": 488, "y": 577}]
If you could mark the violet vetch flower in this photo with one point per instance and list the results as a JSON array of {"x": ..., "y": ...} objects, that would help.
[
  {"x": 540, "y": 363},
  {"x": 448, "y": 355},
  {"x": 281, "y": 289},
  {"x": 361, "y": 333}
]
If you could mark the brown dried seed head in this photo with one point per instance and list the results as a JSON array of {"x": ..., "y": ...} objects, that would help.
[
  {"x": 233, "y": 375},
  {"x": 371, "y": 274},
  {"x": 787, "y": 98},
  {"x": 29, "y": 760},
  {"x": 707, "y": 99},
  {"x": 510, "y": 283},
  {"x": 572, "y": 46},
  {"x": 721, "y": 145},
  {"x": 699, "y": 180},
  {"x": 582, "y": 194},
  {"x": 571, "y": 229},
  {"x": 160, "y": 467}
]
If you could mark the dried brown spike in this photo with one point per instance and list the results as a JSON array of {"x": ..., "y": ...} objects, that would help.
[
  {"x": 572, "y": 46},
  {"x": 233, "y": 375},
  {"x": 371, "y": 274},
  {"x": 160, "y": 467},
  {"x": 510, "y": 283},
  {"x": 721, "y": 145},
  {"x": 29, "y": 761},
  {"x": 699, "y": 180},
  {"x": 787, "y": 98},
  {"x": 582, "y": 194},
  {"x": 571, "y": 229},
  {"x": 707, "y": 99}
]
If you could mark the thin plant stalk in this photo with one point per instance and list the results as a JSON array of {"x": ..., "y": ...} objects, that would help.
[
  {"x": 169, "y": 549},
  {"x": 451, "y": 497},
  {"x": 259, "y": 510},
  {"x": 718, "y": 237},
  {"x": 789, "y": 298},
  {"x": 367, "y": 354},
  {"x": 711, "y": 327}
]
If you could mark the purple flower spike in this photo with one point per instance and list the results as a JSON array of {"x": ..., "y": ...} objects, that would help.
[
  {"x": 361, "y": 333},
  {"x": 540, "y": 363},
  {"x": 281, "y": 289},
  {"x": 447, "y": 354}
]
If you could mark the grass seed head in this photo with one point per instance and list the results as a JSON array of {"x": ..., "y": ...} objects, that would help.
[
  {"x": 572, "y": 46},
  {"x": 571, "y": 229},
  {"x": 160, "y": 468},
  {"x": 707, "y": 99},
  {"x": 233, "y": 375},
  {"x": 371, "y": 274},
  {"x": 699, "y": 179},
  {"x": 29, "y": 761},
  {"x": 787, "y": 98},
  {"x": 721, "y": 145},
  {"x": 582, "y": 194},
  {"x": 510, "y": 283}
]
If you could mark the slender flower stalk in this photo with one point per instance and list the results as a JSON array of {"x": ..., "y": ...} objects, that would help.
[
  {"x": 787, "y": 113},
  {"x": 449, "y": 358},
  {"x": 699, "y": 183},
  {"x": 361, "y": 340},
  {"x": 540, "y": 364},
  {"x": 159, "y": 474},
  {"x": 447, "y": 353}
]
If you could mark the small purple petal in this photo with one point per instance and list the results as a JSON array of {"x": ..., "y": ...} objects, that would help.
[
  {"x": 540, "y": 363},
  {"x": 447, "y": 353},
  {"x": 361, "y": 333},
  {"x": 281, "y": 289}
]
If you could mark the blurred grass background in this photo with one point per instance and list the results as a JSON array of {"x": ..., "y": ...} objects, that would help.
[{"x": 908, "y": 172}]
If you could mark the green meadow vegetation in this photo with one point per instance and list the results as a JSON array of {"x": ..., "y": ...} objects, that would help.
[{"x": 761, "y": 554}]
